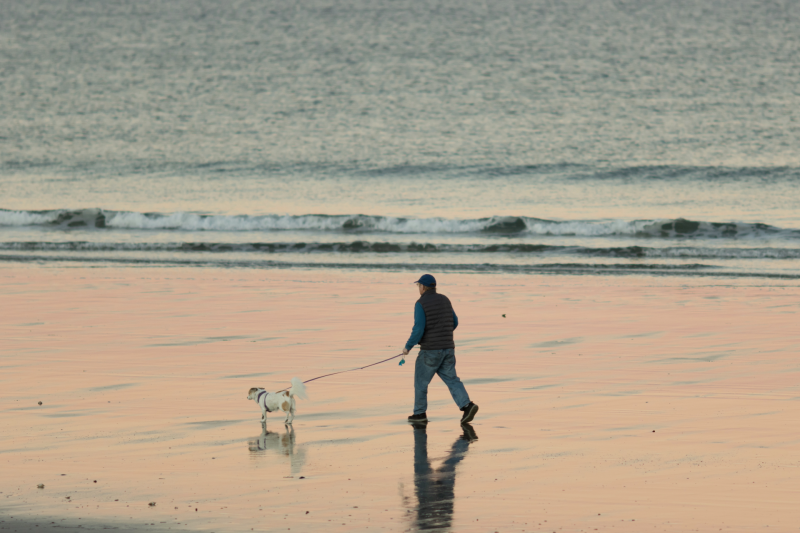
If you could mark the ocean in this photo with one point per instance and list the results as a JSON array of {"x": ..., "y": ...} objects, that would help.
[{"x": 623, "y": 137}]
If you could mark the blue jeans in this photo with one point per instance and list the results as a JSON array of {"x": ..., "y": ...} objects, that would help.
[{"x": 442, "y": 362}]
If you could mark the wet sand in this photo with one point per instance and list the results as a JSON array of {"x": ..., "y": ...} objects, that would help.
[{"x": 610, "y": 404}]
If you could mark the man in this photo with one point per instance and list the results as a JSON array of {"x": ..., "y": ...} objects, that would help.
[{"x": 434, "y": 322}]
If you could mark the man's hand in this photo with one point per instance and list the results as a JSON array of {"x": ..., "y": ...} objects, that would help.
[{"x": 405, "y": 351}]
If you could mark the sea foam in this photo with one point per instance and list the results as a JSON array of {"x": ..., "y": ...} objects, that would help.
[{"x": 677, "y": 228}]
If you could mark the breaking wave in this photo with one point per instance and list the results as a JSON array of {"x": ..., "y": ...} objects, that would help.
[{"x": 678, "y": 228}]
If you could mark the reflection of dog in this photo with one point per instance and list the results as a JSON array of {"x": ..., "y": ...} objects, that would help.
[
  {"x": 271, "y": 440},
  {"x": 281, "y": 443},
  {"x": 278, "y": 401}
]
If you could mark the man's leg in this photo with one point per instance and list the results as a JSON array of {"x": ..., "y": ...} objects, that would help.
[
  {"x": 447, "y": 371},
  {"x": 427, "y": 363}
]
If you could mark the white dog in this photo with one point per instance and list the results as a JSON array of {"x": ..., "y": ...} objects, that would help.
[{"x": 275, "y": 401}]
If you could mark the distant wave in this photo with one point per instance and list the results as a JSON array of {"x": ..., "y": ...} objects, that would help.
[
  {"x": 182, "y": 221},
  {"x": 359, "y": 247},
  {"x": 692, "y": 173},
  {"x": 560, "y": 171}
]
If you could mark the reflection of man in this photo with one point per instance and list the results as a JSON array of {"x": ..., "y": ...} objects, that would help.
[
  {"x": 434, "y": 322},
  {"x": 435, "y": 488}
]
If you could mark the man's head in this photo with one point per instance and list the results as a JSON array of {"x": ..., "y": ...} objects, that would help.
[{"x": 426, "y": 282}]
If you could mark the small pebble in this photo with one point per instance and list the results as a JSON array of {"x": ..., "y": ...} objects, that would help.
[
  {"x": 95, "y": 481},
  {"x": 152, "y": 504},
  {"x": 40, "y": 486},
  {"x": 302, "y": 477},
  {"x": 40, "y": 403}
]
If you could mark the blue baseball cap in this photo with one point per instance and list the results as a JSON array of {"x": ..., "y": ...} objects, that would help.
[{"x": 427, "y": 280}]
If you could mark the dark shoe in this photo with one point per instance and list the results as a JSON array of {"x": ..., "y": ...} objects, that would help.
[
  {"x": 422, "y": 417},
  {"x": 469, "y": 413},
  {"x": 469, "y": 433}
]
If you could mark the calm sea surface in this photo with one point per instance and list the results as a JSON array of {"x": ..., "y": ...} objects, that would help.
[{"x": 611, "y": 137}]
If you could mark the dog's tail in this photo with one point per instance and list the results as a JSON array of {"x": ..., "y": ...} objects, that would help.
[{"x": 298, "y": 389}]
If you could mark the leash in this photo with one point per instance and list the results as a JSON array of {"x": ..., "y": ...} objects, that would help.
[{"x": 351, "y": 370}]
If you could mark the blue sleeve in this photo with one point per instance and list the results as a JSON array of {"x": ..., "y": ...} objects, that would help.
[
  {"x": 455, "y": 321},
  {"x": 419, "y": 327}
]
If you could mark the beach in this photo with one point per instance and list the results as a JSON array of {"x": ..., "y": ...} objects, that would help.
[
  {"x": 198, "y": 198},
  {"x": 606, "y": 403}
]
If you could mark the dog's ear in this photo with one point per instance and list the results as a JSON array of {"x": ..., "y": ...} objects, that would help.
[{"x": 253, "y": 390}]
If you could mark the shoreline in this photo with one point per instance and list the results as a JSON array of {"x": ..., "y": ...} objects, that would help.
[{"x": 654, "y": 270}]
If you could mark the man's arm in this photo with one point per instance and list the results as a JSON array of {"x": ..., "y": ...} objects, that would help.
[
  {"x": 418, "y": 329},
  {"x": 455, "y": 321}
]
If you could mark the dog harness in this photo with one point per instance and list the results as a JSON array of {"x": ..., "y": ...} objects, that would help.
[{"x": 263, "y": 394}]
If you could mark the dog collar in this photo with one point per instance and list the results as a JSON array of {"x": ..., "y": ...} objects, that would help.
[{"x": 264, "y": 394}]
